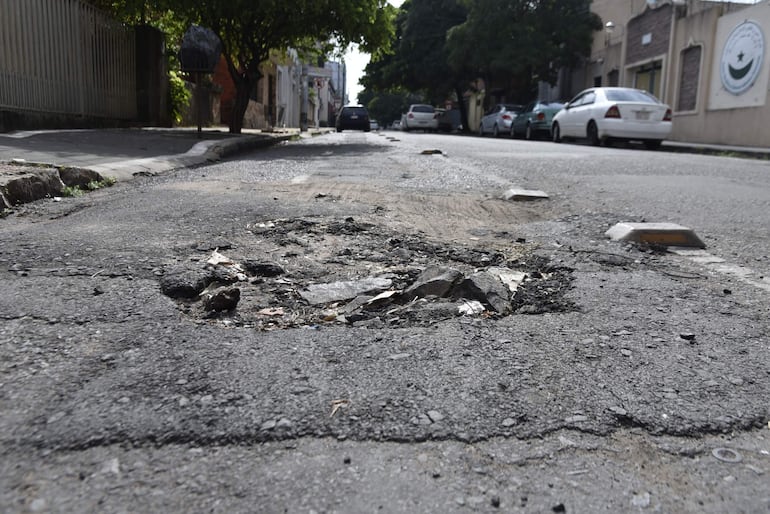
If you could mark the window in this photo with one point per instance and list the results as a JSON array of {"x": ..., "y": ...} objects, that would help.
[
  {"x": 629, "y": 95},
  {"x": 648, "y": 77},
  {"x": 688, "y": 79}
]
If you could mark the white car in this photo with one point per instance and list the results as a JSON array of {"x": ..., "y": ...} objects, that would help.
[
  {"x": 420, "y": 117},
  {"x": 602, "y": 114}
]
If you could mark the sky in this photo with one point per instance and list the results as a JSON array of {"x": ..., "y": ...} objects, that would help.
[{"x": 355, "y": 62}]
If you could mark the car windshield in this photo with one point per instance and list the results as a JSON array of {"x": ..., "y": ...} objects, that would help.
[
  {"x": 554, "y": 105},
  {"x": 423, "y": 108},
  {"x": 630, "y": 95},
  {"x": 512, "y": 107}
]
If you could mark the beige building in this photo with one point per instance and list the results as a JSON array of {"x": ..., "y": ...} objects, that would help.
[{"x": 709, "y": 60}]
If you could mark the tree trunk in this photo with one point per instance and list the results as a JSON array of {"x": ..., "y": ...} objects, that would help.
[
  {"x": 242, "y": 88},
  {"x": 244, "y": 81},
  {"x": 463, "y": 108}
]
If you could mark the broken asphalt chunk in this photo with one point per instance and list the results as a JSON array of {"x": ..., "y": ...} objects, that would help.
[
  {"x": 318, "y": 294},
  {"x": 262, "y": 269},
  {"x": 180, "y": 282},
  {"x": 225, "y": 299},
  {"x": 511, "y": 278},
  {"x": 486, "y": 288},
  {"x": 434, "y": 281}
]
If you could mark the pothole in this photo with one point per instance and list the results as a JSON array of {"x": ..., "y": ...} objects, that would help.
[{"x": 311, "y": 272}]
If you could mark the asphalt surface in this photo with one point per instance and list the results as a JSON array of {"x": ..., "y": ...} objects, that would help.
[
  {"x": 123, "y": 153},
  {"x": 116, "y": 398}
]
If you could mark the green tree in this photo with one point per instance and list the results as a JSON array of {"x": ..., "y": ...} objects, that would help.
[
  {"x": 419, "y": 62},
  {"x": 387, "y": 106},
  {"x": 250, "y": 30},
  {"x": 522, "y": 42}
]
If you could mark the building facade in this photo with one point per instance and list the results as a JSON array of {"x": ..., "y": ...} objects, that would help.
[{"x": 709, "y": 60}]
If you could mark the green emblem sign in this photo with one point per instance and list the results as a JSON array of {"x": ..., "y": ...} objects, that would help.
[{"x": 742, "y": 57}]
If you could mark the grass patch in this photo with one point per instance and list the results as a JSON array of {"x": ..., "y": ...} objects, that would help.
[{"x": 91, "y": 186}]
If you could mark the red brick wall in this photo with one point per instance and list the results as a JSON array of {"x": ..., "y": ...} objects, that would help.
[
  {"x": 656, "y": 22},
  {"x": 227, "y": 99}
]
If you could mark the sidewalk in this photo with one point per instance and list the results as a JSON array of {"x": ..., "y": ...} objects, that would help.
[
  {"x": 31, "y": 163},
  {"x": 724, "y": 150},
  {"x": 121, "y": 153}
]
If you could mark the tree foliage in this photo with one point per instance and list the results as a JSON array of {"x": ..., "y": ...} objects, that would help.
[
  {"x": 250, "y": 30},
  {"x": 524, "y": 40},
  {"x": 444, "y": 45},
  {"x": 419, "y": 60}
]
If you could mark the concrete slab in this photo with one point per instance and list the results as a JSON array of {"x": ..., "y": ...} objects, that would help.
[
  {"x": 524, "y": 195},
  {"x": 663, "y": 234}
]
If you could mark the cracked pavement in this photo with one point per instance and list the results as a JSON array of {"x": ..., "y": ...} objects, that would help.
[{"x": 115, "y": 397}]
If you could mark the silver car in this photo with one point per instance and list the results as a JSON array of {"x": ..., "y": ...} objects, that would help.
[{"x": 498, "y": 119}]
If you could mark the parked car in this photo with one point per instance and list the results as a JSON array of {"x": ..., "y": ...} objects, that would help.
[
  {"x": 614, "y": 113},
  {"x": 419, "y": 117},
  {"x": 498, "y": 119},
  {"x": 449, "y": 120},
  {"x": 535, "y": 119},
  {"x": 353, "y": 117}
]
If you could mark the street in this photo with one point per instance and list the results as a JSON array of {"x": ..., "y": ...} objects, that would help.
[{"x": 618, "y": 378}]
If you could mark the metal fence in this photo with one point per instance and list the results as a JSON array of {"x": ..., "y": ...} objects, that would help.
[{"x": 66, "y": 57}]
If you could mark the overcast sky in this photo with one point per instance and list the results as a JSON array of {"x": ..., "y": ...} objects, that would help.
[{"x": 355, "y": 62}]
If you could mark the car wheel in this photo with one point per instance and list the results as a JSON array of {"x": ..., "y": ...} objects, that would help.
[
  {"x": 555, "y": 133},
  {"x": 481, "y": 130},
  {"x": 528, "y": 132},
  {"x": 593, "y": 134},
  {"x": 496, "y": 131},
  {"x": 652, "y": 144},
  {"x": 513, "y": 132},
  {"x": 339, "y": 130}
]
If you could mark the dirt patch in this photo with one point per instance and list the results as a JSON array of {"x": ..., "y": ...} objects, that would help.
[{"x": 306, "y": 272}]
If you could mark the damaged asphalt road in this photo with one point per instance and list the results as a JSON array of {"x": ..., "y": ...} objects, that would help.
[{"x": 612, "y": 377}]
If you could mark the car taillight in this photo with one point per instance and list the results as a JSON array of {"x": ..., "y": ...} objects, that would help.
[
  {"x": 667, "y": 116},
  {"x": 612, "y": 112},
  {"x": 410, "y": 115},
  {"x": 540, "y": 116},
  {"x": 506, "y": 117}
]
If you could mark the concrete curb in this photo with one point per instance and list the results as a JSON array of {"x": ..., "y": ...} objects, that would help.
[
  {"x": 203, "y": 152},
  {"x": 29, "y": 182}
]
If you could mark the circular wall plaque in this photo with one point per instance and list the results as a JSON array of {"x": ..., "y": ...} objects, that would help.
[{"x": 742, "y": 57}]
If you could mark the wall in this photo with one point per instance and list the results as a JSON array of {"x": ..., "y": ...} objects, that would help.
[
  {"x": 654, "y": 24},
  {"x": 63, "y": 62},
  {"x": 707, "y": 123}
]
